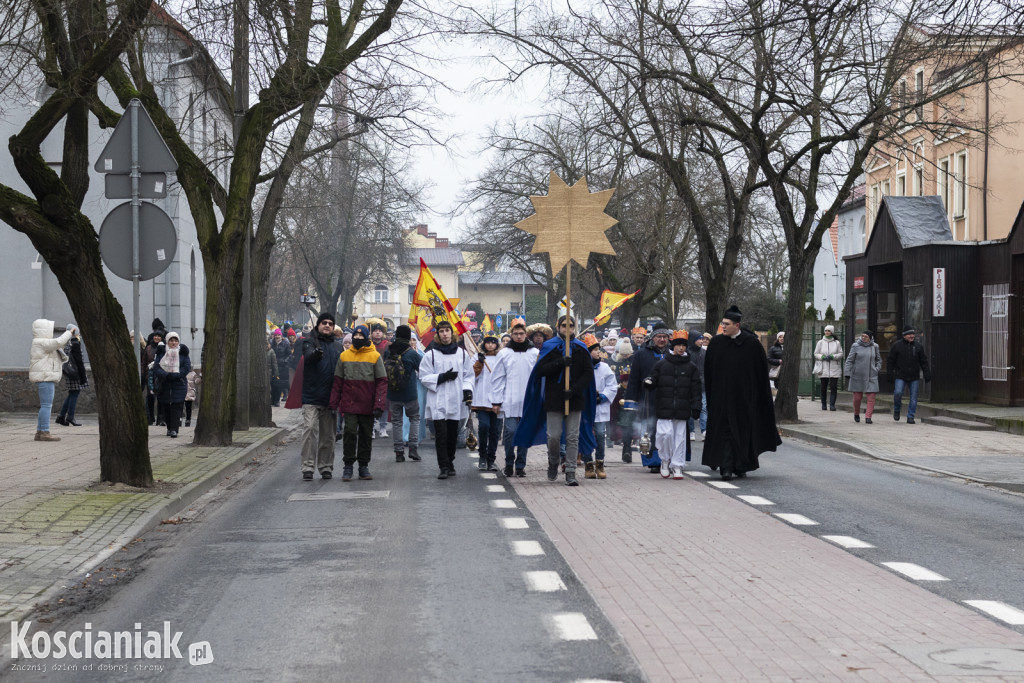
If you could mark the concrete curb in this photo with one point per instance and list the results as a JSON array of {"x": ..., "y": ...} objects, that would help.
[
  {"x": 850, "y": 447},
  {"x": 177, "y": 502}
]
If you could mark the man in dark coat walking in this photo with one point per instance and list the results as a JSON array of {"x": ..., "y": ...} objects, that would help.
[
  {"x": 741, "y": 416},
  {"x": 638, "y": 397},
  {"x": 907, "y": 362}
]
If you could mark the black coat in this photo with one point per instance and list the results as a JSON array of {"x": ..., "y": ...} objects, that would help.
[
  {"x": 907, "y": 360},
  {"x": 581, "y": 379},
  {"x": 640, "y": 369},
  {"x": 283, "y": 354},
  {"x": 675, "y": 388},
  {"x": 318, "y": 373},
  {"x": 173, "y": 385},
  {"x": 741, "y": 414}
]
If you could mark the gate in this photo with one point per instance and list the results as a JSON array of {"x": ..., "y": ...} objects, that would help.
[{"x": 813, "y": 331}]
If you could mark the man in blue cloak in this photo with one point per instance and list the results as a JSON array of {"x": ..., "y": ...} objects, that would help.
[{"x": 544, "y": 416}]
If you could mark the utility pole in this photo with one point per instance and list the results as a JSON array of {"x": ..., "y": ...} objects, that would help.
[{"x": 240, "y": 87}]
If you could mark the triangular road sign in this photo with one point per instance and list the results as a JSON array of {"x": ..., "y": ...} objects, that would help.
[{"x": 154, "y": 155}]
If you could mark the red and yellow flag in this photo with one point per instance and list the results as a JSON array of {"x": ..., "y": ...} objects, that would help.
[
  {"x": 428, "y": 293},
  {"x": 609, "y": 302},
  {"x": 487, "y": 325}
]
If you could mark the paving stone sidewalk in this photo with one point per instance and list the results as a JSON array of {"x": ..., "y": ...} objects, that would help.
[
  {"x": 704, "y": 587},
  {"x": 991, "y": 457},
  {"x": 57, "y": 520}
]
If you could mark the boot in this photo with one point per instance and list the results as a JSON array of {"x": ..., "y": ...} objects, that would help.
[
  {"x": 570, "y": 478},
  {"x": 399, "y": 456},
  {"x": 599, "y": 468},
  {"x": 45, "y": 436},
  {"x": 414, "y": 453},
  {"x": 590, "y": 473}
]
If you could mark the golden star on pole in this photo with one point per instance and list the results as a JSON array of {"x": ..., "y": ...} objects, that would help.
[{"x": 569, "y": 223}]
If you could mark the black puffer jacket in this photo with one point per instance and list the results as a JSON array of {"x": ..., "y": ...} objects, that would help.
[
  {"x": 581, "y": 378},
  {"x": 907, "y": 361},
  {"x": 675, "y": 388}
]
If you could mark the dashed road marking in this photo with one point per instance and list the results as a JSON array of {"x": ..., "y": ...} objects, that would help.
[
  {"x": 697, "y": 475},
  {"x": 756, "y": 500},
  {"x": 513, "y": 522},
  {"x": 571, "y": 626},
  {"x": 543, "y": 582},
  {"x": 848, "y": 541},
  {"x": 913, "y": 571},
  {"x": 503, "y": 503},
  {"x": 722, "y": 485},
  {"x": 796, "y": 519},
  {"x": 488, "y": 475},
  {"x": 999, "y": 610},
  {"x": 527, "y": 548},
  {"x": 495, "y": 488}
]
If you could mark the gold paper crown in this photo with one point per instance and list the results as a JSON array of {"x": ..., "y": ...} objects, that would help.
[
  {"x": 589, "y": 340},
  {"x": 517, "y": 322},
  {"x": 637, "y": 330}
]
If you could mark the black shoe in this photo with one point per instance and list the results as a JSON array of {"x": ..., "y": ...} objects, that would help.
[
  {"x": 856, "y": 418},
  {"x": 337, "y": 437},
  {"x": 896, "y": 415},
  {"x": 399, "y": 456},
  {"x": 346, "y": 473},
  {"x": 482, "y": 465},
  {"x": 507, "y": 471},
  {"x": 326, "y": 474},
  {"x": 832, "y": 407},
  {"x": 188, "y": 423},
  {"x": 628, "y": 459},
  {"x": 824, "y": 407},
  {"x": 275, "y": 405},
  {"x": 654, "y": 469},
  {"x": 161, "y": 423},
  {"x": 451, "y": 471},
  {"x": 867, "y": 420},
  {"x": 60, "y": 420},
  {"x": 173, "y": 435},
  {"x": 741, "y": 475},
  {"x": 491, "y": 467},
  {"x": 307, "y": 476},
  {"x": 727, "y": 475},
  {"x": 552, "y": 472},
  {"x": 413, "y": 455},
  {"x": 443, "y": 475},
  {"x": 521, "y": 473},
  {"x": 71, "y": 421},
  {"x": 364, "y": 473},
  {"x": 910, "y": 421}
]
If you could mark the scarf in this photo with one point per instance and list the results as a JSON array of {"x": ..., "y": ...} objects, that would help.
[
  {"x": 446, "y": 349},
  {"x": 170, "y": 360},
  {"x": 520, "y": 347}
]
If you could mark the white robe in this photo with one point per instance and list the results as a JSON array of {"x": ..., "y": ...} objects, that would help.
[
  {"x": 444, "y": 401},
  {"x": 606, "y": 385},
  {"x": 508, "y": 386},
  {"x": 482, "y": 386}
]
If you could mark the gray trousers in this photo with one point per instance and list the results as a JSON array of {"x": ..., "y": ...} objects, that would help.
[
  {"x": 317, "y": 438},
  {"x": 412, "y": 410},
  {"x": 572, "y": 438}
]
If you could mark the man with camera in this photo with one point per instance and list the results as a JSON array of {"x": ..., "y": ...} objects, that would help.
[{"x": 320, "y": 351}]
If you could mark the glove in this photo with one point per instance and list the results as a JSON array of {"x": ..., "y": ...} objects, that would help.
[
  {"x": 601, "y": 399},
  {"x": 316, "y": 356},
  {"x": 73, "y": 327},
  {"x": 695, "y": 413},
  {"x": 377, "y": 412},
  {"x": 566, "y": 361},
  {"x": 566, "y": 394},
  {"x": 649, "y": 381},
  {"x": 447, "y": 376},
  {"x": 467, "y": 396},
  {"x": 828, "y": 357},
  {"x": 480, "y": 356}
]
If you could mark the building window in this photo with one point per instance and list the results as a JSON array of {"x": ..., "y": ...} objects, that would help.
[
  {"x": 919, "y": 94},
  {"x": 901, "y": 97},
  {"x": 942, "y": 182},
  {"x": 901, "y": 184},
  {"x": 863, "y": 232},
  {"x": 885, "y": 188},
  {"x": 960, "y": 185},
  {"x": 875, "y": 199},
  {"x": 919, "y": 180},
  {"x": 380, "y": 294},
  {"x": 412, "y": 293}
]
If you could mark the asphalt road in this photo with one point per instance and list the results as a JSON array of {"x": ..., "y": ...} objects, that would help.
[
  {"x": 419, "y": 584},
  {"x": 966, "y": 533}
]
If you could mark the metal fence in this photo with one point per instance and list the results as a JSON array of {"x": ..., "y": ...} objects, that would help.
[{"x": 813, "y": 331}]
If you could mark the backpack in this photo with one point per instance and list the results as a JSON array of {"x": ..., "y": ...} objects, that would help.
[{"x": 398, "y": 373}]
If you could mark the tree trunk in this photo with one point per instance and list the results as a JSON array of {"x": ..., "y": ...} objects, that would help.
[
  {"x": 259, "y": 378},
  {"x": 223, "y": 272},
  {"x": 789, "y": 377}
]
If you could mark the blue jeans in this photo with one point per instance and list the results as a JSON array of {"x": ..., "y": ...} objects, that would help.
[
  {"x": 897, "y": 396},
  {"x": 513, "y": 456},
  {"x": 600, "y": 435},
  {"x": 45, "y": 405},
  {"x": 68, "y": 409},
  {"x": 489, "y": 430}
]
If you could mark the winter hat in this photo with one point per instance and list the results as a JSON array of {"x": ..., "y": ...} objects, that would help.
[
  {"x": 324, "y": 316},
  {"x": 543, "y": 328},
  {"x": 291, "y": 332},
  {"x": 378, "y": 326},
  {"x": 173, "y": 335},
  {"x": 476, "y": 333},
  {"x": 662, "y": 330},
  {"x": 158, "y": 324},
  {"x": 780, "y": 335},
  {"x": 590, "y": 341},
  {"x": 347, "y": 337},
  {"x": 403, "y": 332},
  {"x": 277, "y": 333},
  {"x": 680, "y": 337},
  {"x": 363, "y": 330},
  {"x": 623, "y": 349},
  {"x": 830, "y": 328},
  {"x": 732, "y": 313},
  {"x": 871, "y": 335},
  {"x": 907, "y": 330}
]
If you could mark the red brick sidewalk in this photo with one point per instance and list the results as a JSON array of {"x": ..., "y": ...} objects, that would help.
[{"x": 705, "y": 587}]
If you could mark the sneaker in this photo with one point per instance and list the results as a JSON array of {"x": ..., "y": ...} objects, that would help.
[
  {"x": 443, "y": 475},
  {"x": 346, "y": 473},
  {"x": 570, "y": 478},
  {"x": 507, "y": 471},
  {"x": 307, "y": 476},
  {"x": 399, "y": 456},
  {"x": 482, "y": 465},
  {"x": 665, "y": 471},
  {"x": 677, "y": 472},
  {"x": 491, "y": 467},
  {"x": 364, "y": 473},
  {"x": 520, "y": 473},
  {"x": 910, "y": 421},
  {"x": 173, "y": 435},
  {"x": 326, "y": 474},
  {"x": 552, "y": 472},
  {"x": 451, "y": 471}
]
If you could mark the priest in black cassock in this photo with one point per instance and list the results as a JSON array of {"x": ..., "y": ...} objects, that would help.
[{"x": 741, "y": 415}]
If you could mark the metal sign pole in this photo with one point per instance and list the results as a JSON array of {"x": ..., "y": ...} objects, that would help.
[{"x": 136, "y": 175}]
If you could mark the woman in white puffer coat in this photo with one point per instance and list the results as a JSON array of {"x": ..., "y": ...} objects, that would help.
[
  {"x": 45, "y": 370},
  {"x": 828, "y": 365}
]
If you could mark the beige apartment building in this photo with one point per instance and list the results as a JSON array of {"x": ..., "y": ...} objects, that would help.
[{"x": 945, "y": 152}]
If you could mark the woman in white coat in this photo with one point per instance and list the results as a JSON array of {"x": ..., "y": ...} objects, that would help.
[
  {"x": 45, "y": 370},
  {"x": 828, "y": 365},
  {"x": 447, "y": 373}
]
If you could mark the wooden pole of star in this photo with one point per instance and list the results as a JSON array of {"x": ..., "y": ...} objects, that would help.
[{"x": 569, "y": 225}]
